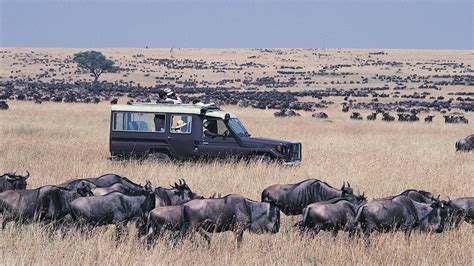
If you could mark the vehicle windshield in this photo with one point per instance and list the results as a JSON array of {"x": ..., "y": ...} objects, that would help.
[{"x": 237, "y": 127}]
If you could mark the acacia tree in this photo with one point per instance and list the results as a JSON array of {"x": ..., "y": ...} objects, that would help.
[{"x": 93, "y": 61}]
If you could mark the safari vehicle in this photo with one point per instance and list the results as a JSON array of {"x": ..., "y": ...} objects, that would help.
[{"x": 189, "y": 131}]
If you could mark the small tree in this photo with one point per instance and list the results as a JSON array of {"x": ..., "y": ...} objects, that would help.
[{"x": 93, "y": 61}]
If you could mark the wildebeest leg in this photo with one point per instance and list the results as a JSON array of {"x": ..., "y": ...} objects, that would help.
[
  {"x": 6, "y": 220},
  {"x": 239, "y": 236},
  {"x": 335, "y": 231},
  {"x": 206, "y": 237},
  {"x": 183, "y": 232},
  {"x": 314, "y": 231},
  {"x": 119, "y": 230}
]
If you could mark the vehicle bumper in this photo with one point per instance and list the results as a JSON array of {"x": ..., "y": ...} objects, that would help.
[{"x": 294, "y": 163}]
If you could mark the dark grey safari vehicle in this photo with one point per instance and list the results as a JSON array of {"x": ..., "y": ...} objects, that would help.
[{"x": 188, "y": 131}]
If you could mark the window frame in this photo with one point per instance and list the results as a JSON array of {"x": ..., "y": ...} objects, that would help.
[{"x": 137, "y": 131}]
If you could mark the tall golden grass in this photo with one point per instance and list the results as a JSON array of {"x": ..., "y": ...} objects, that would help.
[{"x": 56, "y": 142}]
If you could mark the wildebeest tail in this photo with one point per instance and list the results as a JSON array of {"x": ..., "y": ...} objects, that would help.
[{"x": 357, "y": 218}]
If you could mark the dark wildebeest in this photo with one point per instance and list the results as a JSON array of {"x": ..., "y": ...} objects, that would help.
[
  {"x": 356, "y": 116},
  {"x": 12, "y": 181},
  {"x": 320, "y": 115},
  {"x": 460, "y": 209},
  {"x": 465, "y": 144},
  {"x": 399, "y": 213},
  {"x": 230, "y": 213},
  {"x": 177, "y": 195},
  {"x": 332, "y": 215},
  {"x": 429, "y": 119},
  {"x": 45, "y": 204},
  {"x": 3, "y": 105},
  {"x": 102, "y": 181},
  {"x": 291, "y": 199},
  {"x": 114, "y": 208},
  {"x": 387, "y": 117},
  {"x": 372, "y": 116}
]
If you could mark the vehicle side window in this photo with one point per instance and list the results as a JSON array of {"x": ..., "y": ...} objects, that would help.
[
  {"x": 214, "y": 127},
  {"x": 181, "y": 124},
  {"x": 142, "y": 122}
]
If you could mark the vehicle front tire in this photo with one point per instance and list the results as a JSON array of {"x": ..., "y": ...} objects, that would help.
[{"x": 263, "y": 158}]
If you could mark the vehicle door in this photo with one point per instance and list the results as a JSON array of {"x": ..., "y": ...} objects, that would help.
[
  {"x": 217, "y": 140},
  {"x": 180, "y": 134}
]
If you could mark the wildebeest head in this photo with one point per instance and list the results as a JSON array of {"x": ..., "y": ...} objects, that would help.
[
  {"x": 346, "y": 190},
  {"x": 16, "y": 182},
  {"x": 183, "y": 191},
  {"x": 85, "y": 191},
  {"x": 435, "y": 220}
]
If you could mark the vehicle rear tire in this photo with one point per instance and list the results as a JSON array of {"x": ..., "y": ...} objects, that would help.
[{"x": 159, "y": 157}]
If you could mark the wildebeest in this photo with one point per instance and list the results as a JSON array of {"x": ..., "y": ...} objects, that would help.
[
  {"x": 12, "y": 181},
  {"x": 460, "y": 209},
  {"x": 114, "y": 208},
  {"x": 356, "y": 116},
  {"x": 178, "y": 194},
  {"x": 387, "y": 117},
  {"x": 291, "y": 199},
  {"x": 45, "y": 204},
  {"x": 372, "y": 116},
  {"x": 455, "y": 118},
  {"x": 429, "y": 119},
  {"x": 117, "y": 187},
  {"x": 399, "y": 213},
  {"x": 230, "y": 213},
  {"x": 332, "y": 215},
  {"x": 320, "y": 115},
  {"x": 419, "y": 195},
  {"x": 3, "y": 105},
  {"x": 465, "y": 144},
  {"x": 102, "y": 181}
]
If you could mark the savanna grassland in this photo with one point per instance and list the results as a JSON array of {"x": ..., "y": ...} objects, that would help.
[{"x": 59, "y": 141}]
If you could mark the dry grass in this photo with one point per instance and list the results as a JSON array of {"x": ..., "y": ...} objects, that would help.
[{"x": 56, "y": 142}]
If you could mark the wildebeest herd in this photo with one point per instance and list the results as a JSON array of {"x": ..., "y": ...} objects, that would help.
[{"x": 111, "y": 199}]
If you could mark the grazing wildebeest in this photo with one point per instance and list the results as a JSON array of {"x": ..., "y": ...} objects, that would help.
[
  {"x": 332, "y": 215},
  {"x": 372, "y": 116},
  {"x": 291, "y": 199},
  {"x": 114, "y": 208},
  {"x": 230, "y": 213},
  {"x": 12, "y": 181},
  {"x": 45, "y": 204},
  {"x": 3, "y": 105},
  {"x": 429, "y": 119},
  {"x": 356, "y": 116},
  {"x": 387, "y": 117},
  {"x": 460, "y": 209},
  {"x": 178, "y": 194},
  {"x": 320, "y": 115},
  {"x": 102, "y": 181},
  {"x": 400, "y": 212},
  {"x": 465, "y": 144},
  {"x": 345, "y": 108}
]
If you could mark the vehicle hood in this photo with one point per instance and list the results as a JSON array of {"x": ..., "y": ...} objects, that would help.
[{"x": 263, "y": 142}]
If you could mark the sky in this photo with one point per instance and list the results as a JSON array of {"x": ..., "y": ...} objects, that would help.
[{"x": 422, "y": 24}]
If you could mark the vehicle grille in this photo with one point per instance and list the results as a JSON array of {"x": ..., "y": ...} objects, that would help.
[{"x": 293, "y": 153}]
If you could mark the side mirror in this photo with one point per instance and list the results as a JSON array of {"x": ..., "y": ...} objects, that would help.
[{"x": 227, "y": 116}]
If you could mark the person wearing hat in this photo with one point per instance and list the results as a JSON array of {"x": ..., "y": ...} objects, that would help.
[
  {"x": 172, "y": 97},
  {"x": 179, "y": 126}
]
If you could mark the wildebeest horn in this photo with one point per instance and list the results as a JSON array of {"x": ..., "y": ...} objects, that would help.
[
  {"x": 348, "y": 184},
  {"x": 27, "y": 175},
  {"x": 343, "y": 185}
]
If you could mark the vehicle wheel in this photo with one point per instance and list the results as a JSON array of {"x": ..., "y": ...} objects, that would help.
[
  {"x": 159, "y": 157},
  {"x": 262, "y": 159}
]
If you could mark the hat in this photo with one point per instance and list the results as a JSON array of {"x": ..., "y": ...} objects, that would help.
[
  {"x": 168, "y": 91},
  {"x": 180, "y": 124}
]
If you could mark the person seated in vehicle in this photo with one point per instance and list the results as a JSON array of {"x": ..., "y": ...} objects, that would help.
[
  {"x": 159, "y": 123},
  {"x": 178, "y": 127},
  {"x": 210, "y": 128}
]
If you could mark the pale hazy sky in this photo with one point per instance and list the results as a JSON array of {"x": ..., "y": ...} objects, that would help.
[{"x": 438, "y": 24}]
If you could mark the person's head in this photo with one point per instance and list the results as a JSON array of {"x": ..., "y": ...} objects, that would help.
[{"x": 162, "y": 95}]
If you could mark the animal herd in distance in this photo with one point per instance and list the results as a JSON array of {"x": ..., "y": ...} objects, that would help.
[{"x": 111, "y": 199}]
